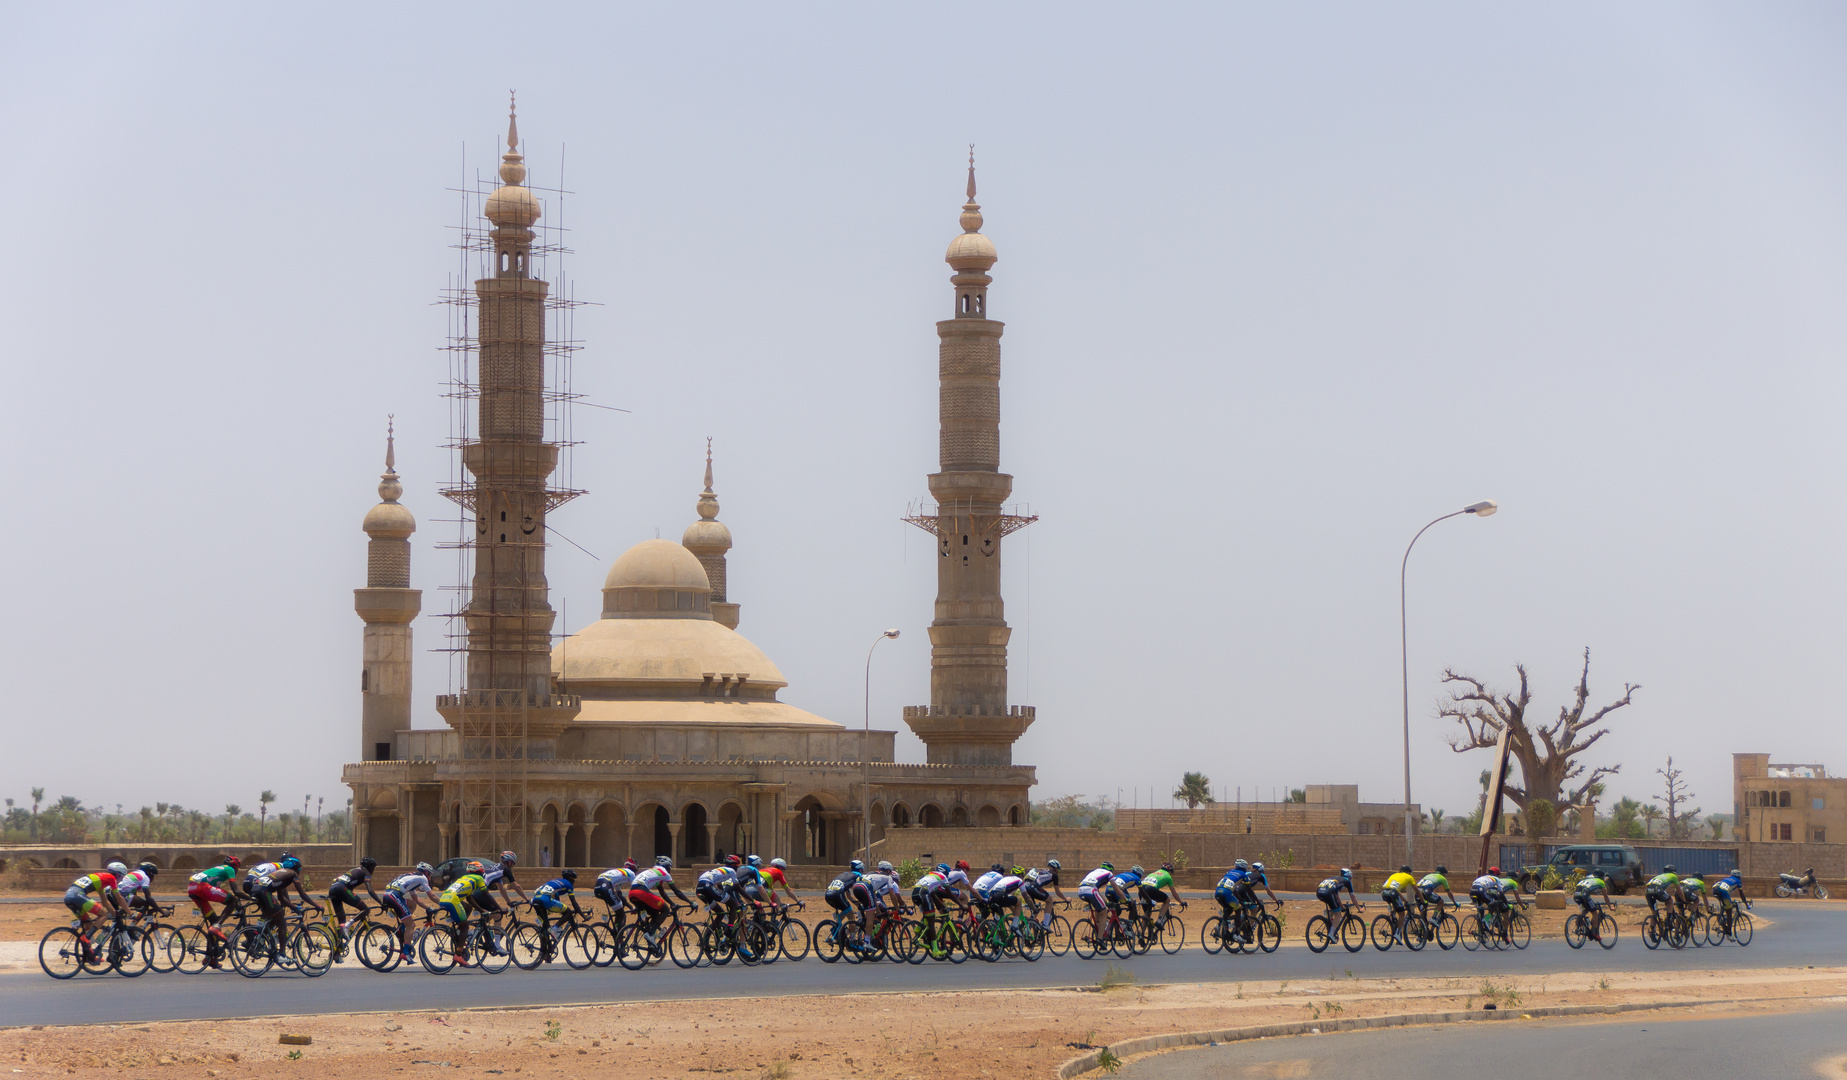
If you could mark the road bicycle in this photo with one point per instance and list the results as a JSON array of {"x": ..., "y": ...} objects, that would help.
[
  {"x": 1496, "y": 930},
  {"x": 1245, "y": 929},
  {"x": 792, "y": 936},
  {"x": 1057, "y": 929},
  {"x": 938, "y": 936},
  {"x": 734, "y": 932},
  {"x": 194, "y": 947},
  {"x": 478, "y": 944},
  {"x": 1167, "y": 931},
  {"x": 294, "y": 945},
  {"x": 1597, "y": 925},
  {"x": 378, "y": 945},
  {"x": 1347, "y": 928},
  {"x": 1671, "y": 927},
  {"x": 114, "y": 945},
  {"x": 674, "y": 938},
  {"x": 1118, "y": 936},
  {"x": 159, "y": 934},
  {"x": 1402, "y": 925},
  {"x": 1441, "y": 928},
  {"x": 1008, "y": 935},
  {"x": 1731, "y": 923}
]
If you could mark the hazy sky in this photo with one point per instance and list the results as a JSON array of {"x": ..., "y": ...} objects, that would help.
[{"x": 1281, "y": 284}]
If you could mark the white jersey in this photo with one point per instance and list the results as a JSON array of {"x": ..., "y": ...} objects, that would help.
[
  {"x": 496, "y": 873},
  {"x": 956, "y": 877},
  {"x": 131, "y": 882},
  {"x": 617, "y": 880},
  {"x": 987, "y": 881},
  {"x": 884, "y": 885},
  {"x": 1093, "y": 881},
  {"x": 262, "y": 870},
  {"x": 1486, "y": 883},
  {"x": 719, "y": 877},
  {"x": 653, "y": 878},
  {"x": 409, "y": 884}
]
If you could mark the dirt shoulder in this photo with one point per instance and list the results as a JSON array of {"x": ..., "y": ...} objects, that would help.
[{"x": 823, "y": 1037}]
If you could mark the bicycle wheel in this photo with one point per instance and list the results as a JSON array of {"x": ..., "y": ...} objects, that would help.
[
  {"x": 600, "y": 942},
  {"x": 1446, "y": 932},
  {"x": 1677, "y": 931},
  {"x": 632, "y": 948},
  {"x": 1123, "y": 937},
  {"x": 313, "y": 948},
  {"x": 378, "y": 948},
  {"x": 250, "y": 951},
  {"x": 487, "y": 947},
  {"x": 1469, "y": 930},
  {"x": 577, "y": 948},
  {"x": 1417, "y": 932},
  {"x": 955, "y": 943},
  {"x": 186, "y": 950},
  {"x": 1317, "y": 934},
  {"x": 1084, "y": 939},
  {"x": 688, "y": 945},
  {"x": 436, "y": 949},
  {"x": 1353, "y": 934},
  {"x": 990, "y": 939},
  {"x": 1576, "y": 932},
  {"x": 1384, "y": 932},
  {"x": 1606, "y": 930},
  {"x": 1741, "y": 928},
  {"x": 526, "y": 946},
  {"x": 1651, "y": 932},
  {"x": 830, "y": 942},
  {"x": 1209, "y": 935},
  {"x": 753, "y": 943},
  {"x": 1173, "y": 935},
  {"x": 60, "y": 952},
  {"x": 796, "y": 939},
  {"x": 1520, "y": 930},
  {"x": 160, "y": 948}
]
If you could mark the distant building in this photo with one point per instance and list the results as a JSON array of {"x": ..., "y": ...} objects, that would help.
[{"x": 1783, "y": 802}]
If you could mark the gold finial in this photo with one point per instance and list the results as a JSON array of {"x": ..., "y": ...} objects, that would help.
[
  {"x": 708, "y": 464},
  {"x": 971, "y": 172},
  {"x": 512, "y": 122},
  {"x": 391, "y": 440},
  {"x": 708, "y": 499}
]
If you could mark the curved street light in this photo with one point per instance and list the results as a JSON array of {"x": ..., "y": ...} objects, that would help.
[
  {"x": 865, "y": 754},
  {"x": 1485, "y": 508}
]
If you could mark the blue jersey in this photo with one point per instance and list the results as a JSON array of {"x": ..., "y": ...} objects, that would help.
[
  {"x": 555, "y": 887},
  {"x": 1128, "y": 881},
  {"x": 1234, "y": 879},
  {"x": 749, "y": 878}
]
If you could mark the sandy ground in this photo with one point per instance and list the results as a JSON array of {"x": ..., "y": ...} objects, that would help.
[{"x": 900, "y": 1036}]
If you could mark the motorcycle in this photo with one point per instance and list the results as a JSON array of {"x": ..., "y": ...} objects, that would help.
[{"x": 1789, "y": 885}]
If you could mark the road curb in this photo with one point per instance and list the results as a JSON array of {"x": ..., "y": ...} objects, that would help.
[{"x": 1084, "y": 1063}]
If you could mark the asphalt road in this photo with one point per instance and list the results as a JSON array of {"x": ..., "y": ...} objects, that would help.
[
  {"x": 1788, "y": 1044},
  {"x": 1806, "y": 933}
]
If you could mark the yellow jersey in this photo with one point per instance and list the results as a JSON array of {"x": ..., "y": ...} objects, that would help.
[
  {"x": 464, "y": 887},
  {"x": 1401, "y": 881}
]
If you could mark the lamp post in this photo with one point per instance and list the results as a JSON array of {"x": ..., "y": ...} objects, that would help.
[
  {"x": 1484, "y": 508},
  {"x": 865, "y": 753}
]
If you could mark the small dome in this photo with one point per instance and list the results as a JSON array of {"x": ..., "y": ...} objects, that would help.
[
  {"x": 711, "y": 536},
  {"x": 512, "y": 205},
  {"x": 657, "y": 564},
  {"x": 389, "y": 521},
  {"x": 971, "y": 250}
]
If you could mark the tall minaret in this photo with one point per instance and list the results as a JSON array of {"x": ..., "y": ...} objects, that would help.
[
  {"x": 709, "y": 539},
  {"x": 387, "y": 604},
  {"x": 968, "y": 720},
  {"x": 507, "y": 713}
]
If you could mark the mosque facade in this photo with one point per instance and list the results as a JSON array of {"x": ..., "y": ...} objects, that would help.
[{"x": 659, "y": 729}]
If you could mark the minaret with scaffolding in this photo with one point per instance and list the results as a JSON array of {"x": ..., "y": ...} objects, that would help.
[
  {"x": 968, "y": 720},
  {"x": 505, "y": 713}
]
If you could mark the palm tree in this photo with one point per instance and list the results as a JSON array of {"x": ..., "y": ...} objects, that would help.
[
  {"x": 263, "y": 802},
  {"x": 147, "y": 824},
  {"x": 1436, "y": 820},
  {"x": 38, "y": 796},
  {"x": 231, "y": 810},
  {"x": 1650, "y": 814},
  {"x": 1194, "y": 789}
]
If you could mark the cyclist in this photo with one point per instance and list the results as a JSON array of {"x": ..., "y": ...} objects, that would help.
[
  {"x": 1093, "y": 891},
  {"x": 1124, "y": 891},
  {"x": 1585, "y": 894},
  {"x": 717, "y": 887},
  {"x": 1693, "y": 893},
  {"x": 1036, "y": 882},
  {"x": 102, "y": 884},
  {"x": 215, "y": 885},
  {"x": 930, "y": 894},
  {"x": 1154, "y": 890},
  {"x": 882, "y": 885},
  {"x": 612, "y": 888},
  {"x": 408, "y": 891},
  {"x": 136, "y": 888},
  {"x": 456, "y": 901},
  {"x": 840, "y": 890},
  {"x": 499, "y": 876},
  {"x": 1397, "y": 890},
  {"x": 775, "y": 877},
  {"x": 546, "y": 899},
  {"x": 647, "y": 892},
  {"x": 1001, "y": 895},
  {"x": 1485, "y": 891},
  {"x": 983, "y": 884},
  {"x": 1428, "y": 885},
  {"x": 1328, "y": 892},
  {"x": 1662, "y": 888},
  {"x": 340, "y": 894},
  {"x": 1230, "y": 890},
  {"x": 1729, "y": 891},
  {"x": 271, "y": 892}
]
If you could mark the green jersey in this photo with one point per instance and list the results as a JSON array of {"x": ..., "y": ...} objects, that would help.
[
  {"x": 1511, "y": 886},
  {"x": 1663, "y": 882},
  {"x": 216, "y": 875},
  {"x": 1692, "y": 886},
  {"x": 1590, "y": 883},
  {"x": 1434, "y": 881},
  {"x": 1160, "y": 879}
]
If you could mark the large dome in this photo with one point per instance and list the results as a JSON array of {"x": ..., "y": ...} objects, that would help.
[{"x": 657, "y": 564}]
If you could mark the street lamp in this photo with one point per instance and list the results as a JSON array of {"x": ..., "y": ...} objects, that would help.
[
  {"x": 865, "y": 753},
  {"x": 1485, "y": 508}
]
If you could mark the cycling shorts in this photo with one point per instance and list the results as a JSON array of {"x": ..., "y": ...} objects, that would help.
[
  {"x": 1330, "y": 897},
  {"x": 79, "y": 901},
  {"x": 484, "y": 901},
  {"x": 1429, "y": 895},
  {"x": 1392, "y": 897},
  {"x": 548, "y": 903},
  {"x": 205, "y": 894},
  {"x": 608, "y": 896},
  {"x": 1092, "y": 900},
  {"x": 1154, "y": 895},
  {"x": 860, "y": 893},
  {"x": 1037, "y": 892},
  {"x": 752, "y": 892},
  {"x": 646, "y": 898},
  {"x": 266, "y": 901},
  {"x": 710, "y": 893},
  {"x": 925, "y": 901},
  {"x": 341, "y": 896},
  {"x": 458, "y": 911},
  {"x": 838, "y": 901},
  {"x": 391, "y": 900},
  {"x": 1226, "y": 895}
]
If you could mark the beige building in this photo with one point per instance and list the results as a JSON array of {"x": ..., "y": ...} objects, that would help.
[
  {"x": 1793, "y": 803},
  {"x": 659, "y": 728}
]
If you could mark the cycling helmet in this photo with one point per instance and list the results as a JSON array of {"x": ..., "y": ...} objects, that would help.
[
  {"x": 777, "y": 863},
  {"x": 884, "y": 867},
  {"x": 290, "y": 862},
  {"x": 1137, "y": 869},
  {"x": 1053, "y": 864},
  {"x": 1495, "y": 870},
  {"x": 753, "y": 860},
  {"x": 1668, "y": 869},
  {"x": 1404, "y": 869},
  {"x": 630, "y": 864},
  {"x": 1346, "y": 874},
  {"x": 1241, "y": 865},
  {"x": 508, "y": 857},
  {"x": 733, "y": 861},
  {"x": 568, "y": 874},
  {"x": 664, "y": 862},
  {"x": 942, "y": 868},
  {"x": 1444, "y": 870},
  {"x": 369, "y": 863},
  {"x": 857, "y": 867},
  {"x": 286, "y": 854},
  {"x": 1111, "y": 867},
  {"x": 426, "y": 869},
  {"x": 1257, "y": 866},
  {"x": 117, "y": 869},
  {"x": 233, "y": 862},
  {"x": 961, "y": 864},
  {"x": 149, "y": 869},
  {"x": 998, "y": 868},
  {"x": 1167, "y": 866}
]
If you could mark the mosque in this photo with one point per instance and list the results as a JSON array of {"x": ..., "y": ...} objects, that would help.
[{"x": 659, "y": 729}]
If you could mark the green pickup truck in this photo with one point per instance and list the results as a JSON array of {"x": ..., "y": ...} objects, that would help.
[{"x": 1618, "y": 863}]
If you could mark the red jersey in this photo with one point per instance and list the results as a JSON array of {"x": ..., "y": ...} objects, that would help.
[
  {"x": 99, "y": 882},
  {"x": 773, "y": 875}
]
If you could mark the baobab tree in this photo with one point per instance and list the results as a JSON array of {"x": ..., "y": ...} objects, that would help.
[{"x": 1549, "y": 754}]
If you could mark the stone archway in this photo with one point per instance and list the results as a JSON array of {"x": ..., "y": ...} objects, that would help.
[
  {"x": 958, "y": 818},
  {"x": 815, "y": 832},
  {"x": 663, "y": 836},
  {"x": 185, "y": 862},
  {"x": 1015, "y": 816},
  {"x": 693, "y": 834},
  {"x": 575, "y": 850},
  {"x": 550, "y": 840},
  {"x": 988, "y": 817},
  {"x": 930, "y": 816},
  {"x": 609, "y": 841},
  {"x": 730, "y": 840},
  {"x": 900, "y": 815}
]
